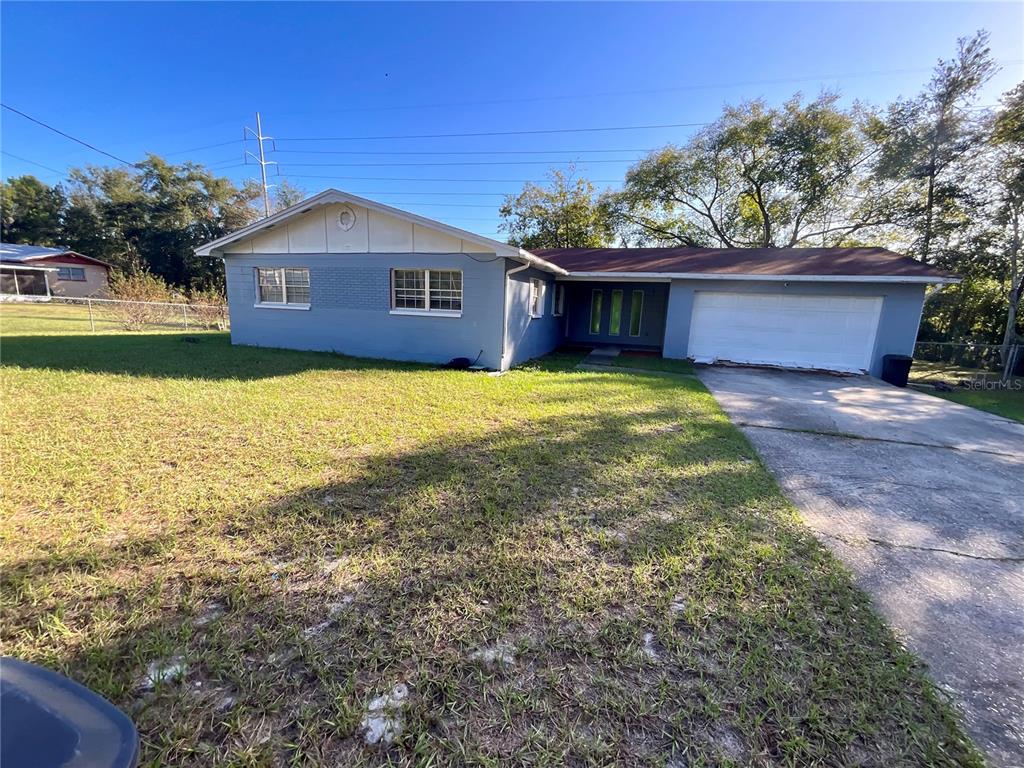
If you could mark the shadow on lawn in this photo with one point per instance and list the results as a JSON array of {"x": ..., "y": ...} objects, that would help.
[
  {"x": 564, "y": 541},
  {"x": 172, "y": 355}
]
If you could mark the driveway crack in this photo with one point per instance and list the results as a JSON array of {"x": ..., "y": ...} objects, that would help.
[
  {"x": 916, "y": 547},
  {"x": 851, "y": 436}
]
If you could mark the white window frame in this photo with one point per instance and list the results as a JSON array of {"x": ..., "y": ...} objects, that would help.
[
  {"x": 70, "y": 270},
  {"x": 558, "y": 302},
  {"x": 427, "y": 311},
  {"x": 283, "y": 304},
  {"x": 537, "y": 292}
]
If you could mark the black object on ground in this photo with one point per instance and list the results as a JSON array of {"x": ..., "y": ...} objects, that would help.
[
  {"x": 896, "y": 369},
  {"x": 50, "y": 721}
]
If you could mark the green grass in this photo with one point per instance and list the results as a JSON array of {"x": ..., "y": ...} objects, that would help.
[
  {"x": 648, "y": 363},
  {"x": 306, "y": 531},
  {"x": 55, "y": 318},
  {"x": 1007, "y": 401}
]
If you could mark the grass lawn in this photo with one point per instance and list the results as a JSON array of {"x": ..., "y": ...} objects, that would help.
[
  {"x": 651, "y": 363},
  {"x": 246, "y": 548},
  {"x": 1008, "y": 402}
]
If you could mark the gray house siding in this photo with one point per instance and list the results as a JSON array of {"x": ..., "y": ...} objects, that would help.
[
  {"x": 652, "y": 320},
  {"x": 527, "y": 336},
  {"x": 350, "y": 303},
  {"x": 897, "y": 326}
]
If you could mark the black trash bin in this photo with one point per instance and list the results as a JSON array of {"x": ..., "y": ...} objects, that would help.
[
  {"x": 896, "y": 369},
  {"x": 50, "y": 721}
]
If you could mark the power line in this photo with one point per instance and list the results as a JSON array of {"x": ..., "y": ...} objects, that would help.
[
  {"x": 67, "y": 135},
  {"x": 495, "y": 133},
  {"x": 31, "y": 162},
  {"x": 451, "y": 205},
  {"x": 459, "y": 163},
  {"x": 468, "y": 181},
  {"x": 645, "y": 91},
  {"x": 459, "y": 152},
  {"x": 205, "y": 146}
]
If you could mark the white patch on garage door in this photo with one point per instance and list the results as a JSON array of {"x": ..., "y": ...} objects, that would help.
[{"x": 831, "y": 332}]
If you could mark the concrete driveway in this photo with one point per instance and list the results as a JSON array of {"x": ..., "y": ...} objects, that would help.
[{"x": 923, "y": 499}]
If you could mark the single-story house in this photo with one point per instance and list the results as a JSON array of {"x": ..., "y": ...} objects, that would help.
[
  {"x": 38, "y": 271},
  {"x": 342, "y": 273}
]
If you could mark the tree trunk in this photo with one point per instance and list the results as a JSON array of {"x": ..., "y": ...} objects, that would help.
[
  {"x": 933, "y": 172},
  {"x": 1016, "y": 284}
]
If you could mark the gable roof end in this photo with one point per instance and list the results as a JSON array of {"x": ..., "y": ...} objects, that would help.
[{"x": 332, "y": 196}]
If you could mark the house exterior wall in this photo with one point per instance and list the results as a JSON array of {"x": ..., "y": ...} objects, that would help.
[
  {"x": 897, "y": 326},
  {"x": 350, "y": 307},
  {"x": 528, "y": 336},
  {"x": 96, "y": 283},
  {"x": 652, "y": 322}
]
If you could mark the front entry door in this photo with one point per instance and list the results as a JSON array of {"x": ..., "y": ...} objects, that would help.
[{"x": 620, "y": 315}]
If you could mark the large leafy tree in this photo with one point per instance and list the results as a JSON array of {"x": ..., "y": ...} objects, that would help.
[
  {"x": 561, "y": 214},
  {"x": 145, "y": 218},
  {"x": 757, "y": 177},
  {"x": 1008, "y": 140},
  {"x": 287, "y": 194},
  {"x": 927, "y": 145},
  {"x": 31, "y": 211}
]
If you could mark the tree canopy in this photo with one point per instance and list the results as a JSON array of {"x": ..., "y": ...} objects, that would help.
[
  {"x": 146, "y": 218},
  {"x": 564, "y": 214},
  {"x": 933, "y": 176}
]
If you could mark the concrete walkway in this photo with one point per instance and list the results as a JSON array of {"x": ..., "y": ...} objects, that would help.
[{"x": 923, "y": 499}]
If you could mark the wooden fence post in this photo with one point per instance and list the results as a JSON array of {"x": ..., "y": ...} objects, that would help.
[{"x": 92, "y": 323}]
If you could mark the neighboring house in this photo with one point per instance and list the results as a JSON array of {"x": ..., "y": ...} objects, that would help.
[
  {"x": 338, "y": 272},
  {"x": 36, "y": 270}
]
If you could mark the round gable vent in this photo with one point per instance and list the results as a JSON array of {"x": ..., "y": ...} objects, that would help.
[{"x": 346, "y": 218}]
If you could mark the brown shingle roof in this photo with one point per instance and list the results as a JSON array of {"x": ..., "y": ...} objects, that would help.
[{"x": 833, "y": 262}]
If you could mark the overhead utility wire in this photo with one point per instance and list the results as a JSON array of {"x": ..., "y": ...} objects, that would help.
[
  {"x": 455, "y": 152},
  {"x": 472, "y": 180},
  {"x": 644, "y": 91},
  {"x": 31, "y": 162},
  {"x": 493, "y": 133},
  {"x": 67, "y": 135},
  {"x": 459, "y": 163}
]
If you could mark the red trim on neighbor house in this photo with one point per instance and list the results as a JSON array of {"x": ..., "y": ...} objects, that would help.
[{"x": 71, "y": 258}]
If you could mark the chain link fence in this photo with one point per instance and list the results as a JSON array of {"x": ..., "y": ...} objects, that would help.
[
  {"x": 957, "y": 361},
  {"x": 63, "y": 313}
]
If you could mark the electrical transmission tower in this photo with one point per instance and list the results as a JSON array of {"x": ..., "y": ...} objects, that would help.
[{"x": 261, "y": 159}]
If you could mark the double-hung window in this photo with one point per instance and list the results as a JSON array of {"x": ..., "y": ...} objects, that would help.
[
  {"x": 282, "y": 287},
  {"x": 536, "y": 297},
  {"x": 426, "y": 291},
  {"x": 71, "y": 273}
]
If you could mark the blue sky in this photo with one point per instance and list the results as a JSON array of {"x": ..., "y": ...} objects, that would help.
[{"x": 131, "y": 78}]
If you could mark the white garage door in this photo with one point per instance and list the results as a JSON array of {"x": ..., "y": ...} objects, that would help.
[{"x": 832, "y": 332}]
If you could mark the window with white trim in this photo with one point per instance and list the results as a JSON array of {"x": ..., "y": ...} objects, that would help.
[
  {"x": 282, "y": 286},
  {"x": 536, "y": 297},
  {"x": 558, "y": 305},
  {"x": 71, "y": 273},
  {"x": 426, "y": 290}
]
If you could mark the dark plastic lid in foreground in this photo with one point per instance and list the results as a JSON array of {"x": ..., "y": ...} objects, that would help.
[{"x": 47, "y": 720}]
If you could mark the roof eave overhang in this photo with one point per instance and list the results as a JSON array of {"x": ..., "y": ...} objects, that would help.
[
  {"x": 16, "y": 265},
  {"x": 667, "y": 276}
]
